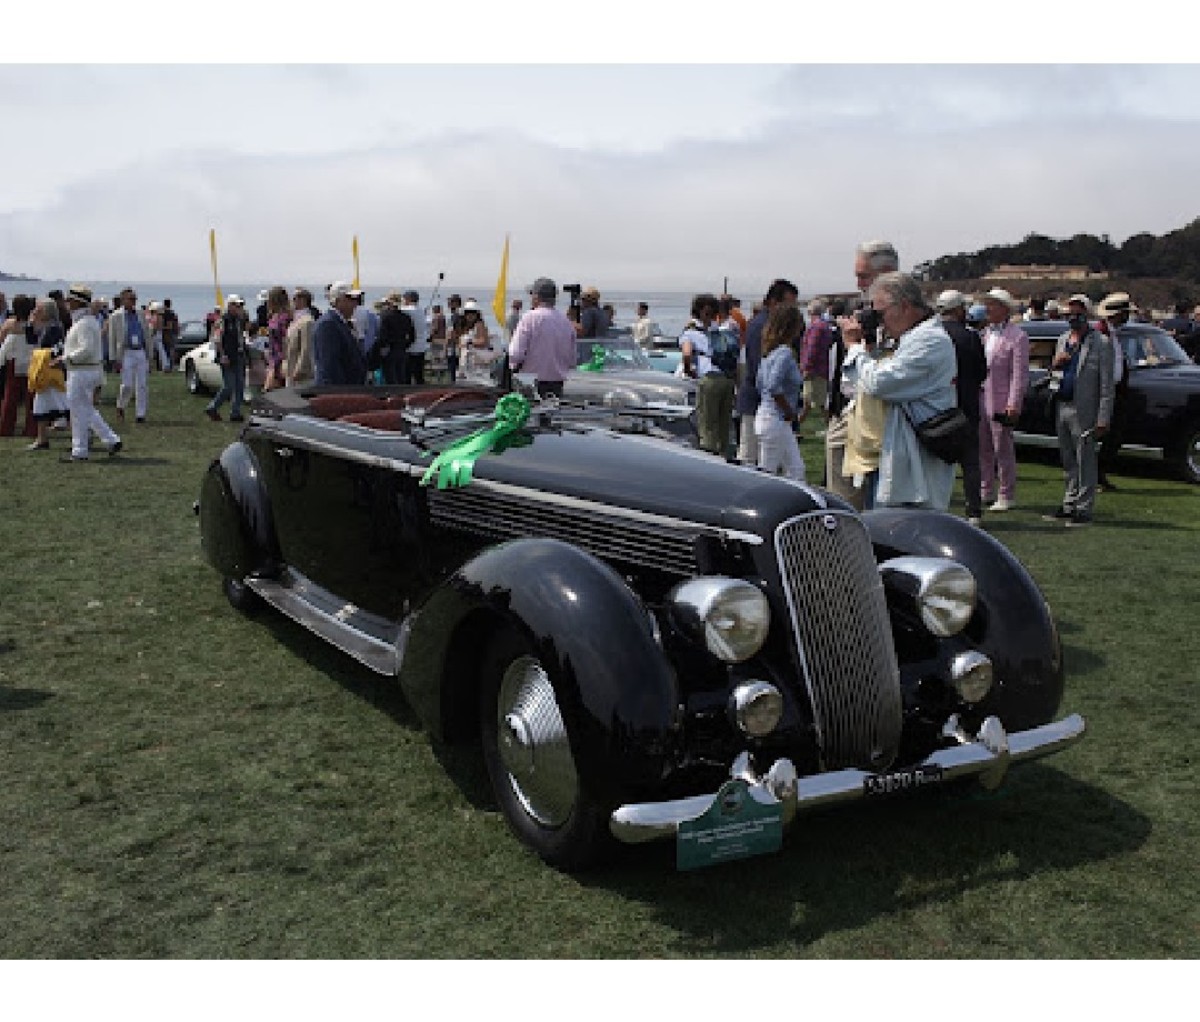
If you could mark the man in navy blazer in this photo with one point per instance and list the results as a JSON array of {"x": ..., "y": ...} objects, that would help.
[{"x": 337, "y": 354}]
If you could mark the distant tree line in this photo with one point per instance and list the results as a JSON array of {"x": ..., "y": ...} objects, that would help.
[{"x": 1174, "y": 255}]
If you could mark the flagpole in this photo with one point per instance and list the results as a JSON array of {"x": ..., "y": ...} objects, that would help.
[
  {"x": 357, "y": 285},
  {"x": 212, "y": 247}
]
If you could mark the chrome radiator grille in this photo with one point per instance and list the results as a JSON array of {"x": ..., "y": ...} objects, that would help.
[
  {"x": 615, "y": 539},
  {"x": 841, "y": 624}
]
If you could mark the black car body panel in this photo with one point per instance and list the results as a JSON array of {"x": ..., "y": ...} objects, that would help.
[
  {"x": 1161, "y": 393},
  {"x": 576, "y": 542}
]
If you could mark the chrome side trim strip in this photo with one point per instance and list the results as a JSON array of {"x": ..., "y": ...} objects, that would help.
[{"x": 985, "y": 756}]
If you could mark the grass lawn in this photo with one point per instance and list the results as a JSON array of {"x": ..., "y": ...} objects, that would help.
[{"x": 181, "y": 781}]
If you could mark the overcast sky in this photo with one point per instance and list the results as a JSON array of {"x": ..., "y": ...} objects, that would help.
[{"x": 625, "y": 176}]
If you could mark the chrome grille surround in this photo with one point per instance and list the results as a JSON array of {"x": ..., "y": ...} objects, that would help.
[{"x": 844, "y": 638}]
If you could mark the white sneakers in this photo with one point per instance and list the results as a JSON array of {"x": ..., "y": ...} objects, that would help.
[{"x": 1002, "y": 504}]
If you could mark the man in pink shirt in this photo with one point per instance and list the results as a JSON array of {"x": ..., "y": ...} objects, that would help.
[
  {"x": 544, "y": 341},
  {"x": 1006, "y": 346}
]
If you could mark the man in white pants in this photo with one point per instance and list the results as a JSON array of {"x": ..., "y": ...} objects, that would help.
[
  {"x": 83, "y": 358},
  {"x": 129, "y": 344}
]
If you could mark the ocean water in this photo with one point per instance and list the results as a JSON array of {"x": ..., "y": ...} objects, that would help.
[{"x": 670, "y": 309}]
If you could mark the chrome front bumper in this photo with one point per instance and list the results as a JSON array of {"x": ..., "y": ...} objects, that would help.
[{"x": 987, "y": 756}]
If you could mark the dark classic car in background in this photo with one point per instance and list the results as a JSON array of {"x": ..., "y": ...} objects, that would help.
[
  {"x": 1162, "y": 396},
  {"x": 646, "y": 641}
]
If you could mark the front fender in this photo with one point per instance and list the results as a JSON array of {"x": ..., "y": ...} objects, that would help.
[
  {"x": 615, "y": 687},
  {"x": 237, "y": 528},
  {"x": 1012, "y": 623}
]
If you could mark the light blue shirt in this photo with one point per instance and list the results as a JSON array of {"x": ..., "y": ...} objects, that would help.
[
  {"x": 779, "y": 374},
  {"x": 920, "y": 374}
]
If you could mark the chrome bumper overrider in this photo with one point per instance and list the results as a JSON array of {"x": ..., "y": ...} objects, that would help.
[{"x": 987, "y": 756}]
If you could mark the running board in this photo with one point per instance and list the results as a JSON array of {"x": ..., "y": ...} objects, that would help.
[{"x": 373, "y": 641}]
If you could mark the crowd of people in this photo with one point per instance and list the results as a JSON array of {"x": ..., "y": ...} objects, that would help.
[
  {"x": 45, "y": 343},
  {"x": 874, "y": 368},
  {"x": 887, "y": 370}
]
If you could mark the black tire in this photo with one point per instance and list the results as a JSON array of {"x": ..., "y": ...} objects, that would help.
[
  {"x": 1186, "y": 455},
  {"x": 192, "y": 378},
  {"x": 547, "y": 807},
  {"x": 241, "y": 597}
]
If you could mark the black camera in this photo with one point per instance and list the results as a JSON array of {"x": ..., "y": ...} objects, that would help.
[
  {"x": 574, "y": 290},
  {"x": 870, "y": 320}
]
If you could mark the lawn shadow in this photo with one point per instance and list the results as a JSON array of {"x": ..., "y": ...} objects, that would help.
[
  {"x": 22, "y": 698},
  {"x": 124, "y": 460},
  {"x": 841, "y": 869}
]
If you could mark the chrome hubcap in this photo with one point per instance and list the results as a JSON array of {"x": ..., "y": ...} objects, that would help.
[{"x": 532, "y": 741}]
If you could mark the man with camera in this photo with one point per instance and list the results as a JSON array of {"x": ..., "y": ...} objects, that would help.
[
  {"x": 915, "y": 381},
  {"x": 871, "y": 259}
]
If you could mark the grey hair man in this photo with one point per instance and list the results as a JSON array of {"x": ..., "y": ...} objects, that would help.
[
  {"x": 915, "y": 381},
  {"x": 871, "y": 258}
]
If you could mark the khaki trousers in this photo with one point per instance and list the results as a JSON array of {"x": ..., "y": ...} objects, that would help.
[{"x": 835, "y": 450}]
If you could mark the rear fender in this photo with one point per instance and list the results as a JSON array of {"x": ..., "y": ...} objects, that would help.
[{"x": 237, "y": 529}]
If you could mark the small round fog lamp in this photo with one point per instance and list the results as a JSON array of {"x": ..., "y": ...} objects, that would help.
[
  {"x": 756, "y": 707},
  {"x": 971, "y": 674}
]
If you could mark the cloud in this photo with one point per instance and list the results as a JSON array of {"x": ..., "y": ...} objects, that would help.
[{"x": 938, "y": 160}]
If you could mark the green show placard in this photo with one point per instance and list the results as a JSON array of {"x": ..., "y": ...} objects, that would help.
[{"x": 735, "y": 826}]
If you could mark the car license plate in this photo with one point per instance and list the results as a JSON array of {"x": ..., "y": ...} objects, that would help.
[{"x": 897, "y": 782}]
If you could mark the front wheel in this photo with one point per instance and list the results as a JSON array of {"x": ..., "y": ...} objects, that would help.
[
  {"x": 192, "y": 378},
  {"x": 1186, "y": 455},
  {"x": 529, "y": 761}
]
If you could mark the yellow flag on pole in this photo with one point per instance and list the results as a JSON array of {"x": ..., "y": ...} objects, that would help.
[
  {"x": 500, "y": 301},
  {"x": 212, "y": 247},
  {"x": 356, "y": 283}
]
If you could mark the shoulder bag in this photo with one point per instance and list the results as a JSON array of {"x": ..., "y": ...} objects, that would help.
[{"x": 944, "y": 433}]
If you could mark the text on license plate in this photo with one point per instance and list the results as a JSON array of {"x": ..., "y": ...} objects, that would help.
[{"x": 896, "y": 782}]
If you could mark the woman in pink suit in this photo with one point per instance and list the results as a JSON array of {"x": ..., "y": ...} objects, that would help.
[{"x": 1007, "y": 349}]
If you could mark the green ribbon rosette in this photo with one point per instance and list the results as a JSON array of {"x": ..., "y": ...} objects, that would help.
[
  {"x": 596, "y": 365},
  {"x": 454, "y": 466}
]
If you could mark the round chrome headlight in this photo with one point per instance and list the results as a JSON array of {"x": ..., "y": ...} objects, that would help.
[
  {"x": 971, "y": 673},
  {"x": 732, "y": 615},
  {"x": 942, "y": 591},
  {"x": 756, "y": 707}
]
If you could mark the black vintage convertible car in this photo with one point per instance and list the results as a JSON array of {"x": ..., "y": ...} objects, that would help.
[
  {"x": 1162, "y": 393},
  {"x": 646, "y": 641}
]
